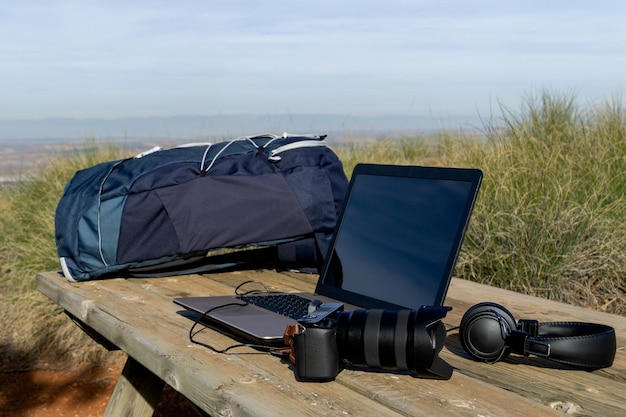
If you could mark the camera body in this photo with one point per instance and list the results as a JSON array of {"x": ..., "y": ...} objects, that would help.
[{"x": 406, "y": 340}]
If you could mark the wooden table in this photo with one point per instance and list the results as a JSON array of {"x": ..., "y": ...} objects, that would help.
[{"x": 139, "y": 317}]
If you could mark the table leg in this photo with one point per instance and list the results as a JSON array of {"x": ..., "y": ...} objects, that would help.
[{"x": 136, "y": 393}]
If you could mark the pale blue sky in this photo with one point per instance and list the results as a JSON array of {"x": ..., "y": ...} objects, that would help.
[{"x": 112, "y": 59}]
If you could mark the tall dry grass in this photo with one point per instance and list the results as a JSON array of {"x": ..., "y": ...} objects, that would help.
[
  {"x": 549, "y": 221},
  {"x": 550, "y": 218},
  {"x": 34, "y": 332}
]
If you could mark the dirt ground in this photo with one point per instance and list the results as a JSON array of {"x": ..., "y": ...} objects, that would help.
[{"x": 82, "y": 392}]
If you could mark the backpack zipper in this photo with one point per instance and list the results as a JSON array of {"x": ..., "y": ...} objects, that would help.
[{"x": 294, "y": 145}]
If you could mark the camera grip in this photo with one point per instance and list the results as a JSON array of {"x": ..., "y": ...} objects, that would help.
[{"x": 316, "y": 353}]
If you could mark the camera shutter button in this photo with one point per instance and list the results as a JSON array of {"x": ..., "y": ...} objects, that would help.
[{"x": 313, "y": 305}]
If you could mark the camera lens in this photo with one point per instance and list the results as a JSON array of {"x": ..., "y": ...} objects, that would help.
[{"x": 390, "y": 339}]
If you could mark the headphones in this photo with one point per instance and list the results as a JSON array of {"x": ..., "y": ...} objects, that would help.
[{"x": 488, "y": 333}]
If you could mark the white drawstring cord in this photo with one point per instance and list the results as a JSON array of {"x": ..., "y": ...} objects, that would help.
[{"x": 204, "y": 171}]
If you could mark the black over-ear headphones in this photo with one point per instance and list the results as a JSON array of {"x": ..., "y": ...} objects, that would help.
[{"x": 489, "y": 333}]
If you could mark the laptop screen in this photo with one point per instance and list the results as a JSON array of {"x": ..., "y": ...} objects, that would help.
[{"x": 399, "y": 236}]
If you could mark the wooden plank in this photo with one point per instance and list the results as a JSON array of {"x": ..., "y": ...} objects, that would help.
[
  {"x": 598, "y": 393},
  {"x": 461, "y": 395},
  {"x": 138, "y": 315},
  {"x": 136, "y": 393}
]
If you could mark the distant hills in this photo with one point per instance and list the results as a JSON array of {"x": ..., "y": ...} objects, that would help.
[{"x": 224, "y": 126}]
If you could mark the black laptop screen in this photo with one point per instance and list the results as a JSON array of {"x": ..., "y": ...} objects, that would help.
[{"x": 398, "y": 240}]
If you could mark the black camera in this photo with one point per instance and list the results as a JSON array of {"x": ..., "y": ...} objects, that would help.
[{"x": 405, "y": 340}]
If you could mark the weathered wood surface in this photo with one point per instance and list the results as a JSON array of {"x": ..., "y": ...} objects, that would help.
[
  {"x": 136, "y": 393},
  {"x": 138, "y": 316}
]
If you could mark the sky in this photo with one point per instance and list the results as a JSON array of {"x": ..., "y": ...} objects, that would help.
[{"x": 117, "y": 59}]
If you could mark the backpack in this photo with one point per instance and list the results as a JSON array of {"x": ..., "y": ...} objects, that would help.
[{"x": 165, "y": 208}]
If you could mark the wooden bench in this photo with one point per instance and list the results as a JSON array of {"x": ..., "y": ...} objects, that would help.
[{"x": 139, "y": 317}]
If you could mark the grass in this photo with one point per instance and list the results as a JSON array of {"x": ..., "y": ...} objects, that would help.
[
  {"x": 34, "y": 331},
  {"x": 550, "y": 219}
]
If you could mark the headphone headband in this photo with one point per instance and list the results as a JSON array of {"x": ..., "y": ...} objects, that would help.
[{"x": 585, "y": 345}]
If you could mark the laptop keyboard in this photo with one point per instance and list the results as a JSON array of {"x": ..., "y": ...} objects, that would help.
[{"x": 290, "y": 305}]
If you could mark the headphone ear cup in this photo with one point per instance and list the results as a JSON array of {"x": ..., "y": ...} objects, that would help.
[{"x": 484, "y": 331}]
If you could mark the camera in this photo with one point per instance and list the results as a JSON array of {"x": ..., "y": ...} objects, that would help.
[{"x": 404, "y": 340}]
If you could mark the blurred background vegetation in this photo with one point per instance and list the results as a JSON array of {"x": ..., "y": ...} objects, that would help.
[{"x": 549, "y": 221}]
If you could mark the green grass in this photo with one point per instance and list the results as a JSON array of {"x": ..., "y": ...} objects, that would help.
[{"x": 550, "y": 219}]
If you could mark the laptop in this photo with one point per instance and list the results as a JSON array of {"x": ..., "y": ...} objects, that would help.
[{"x": 395, "y": 247}]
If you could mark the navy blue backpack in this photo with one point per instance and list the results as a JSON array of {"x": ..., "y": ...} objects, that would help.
[{"x": 163, "y": 211}]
